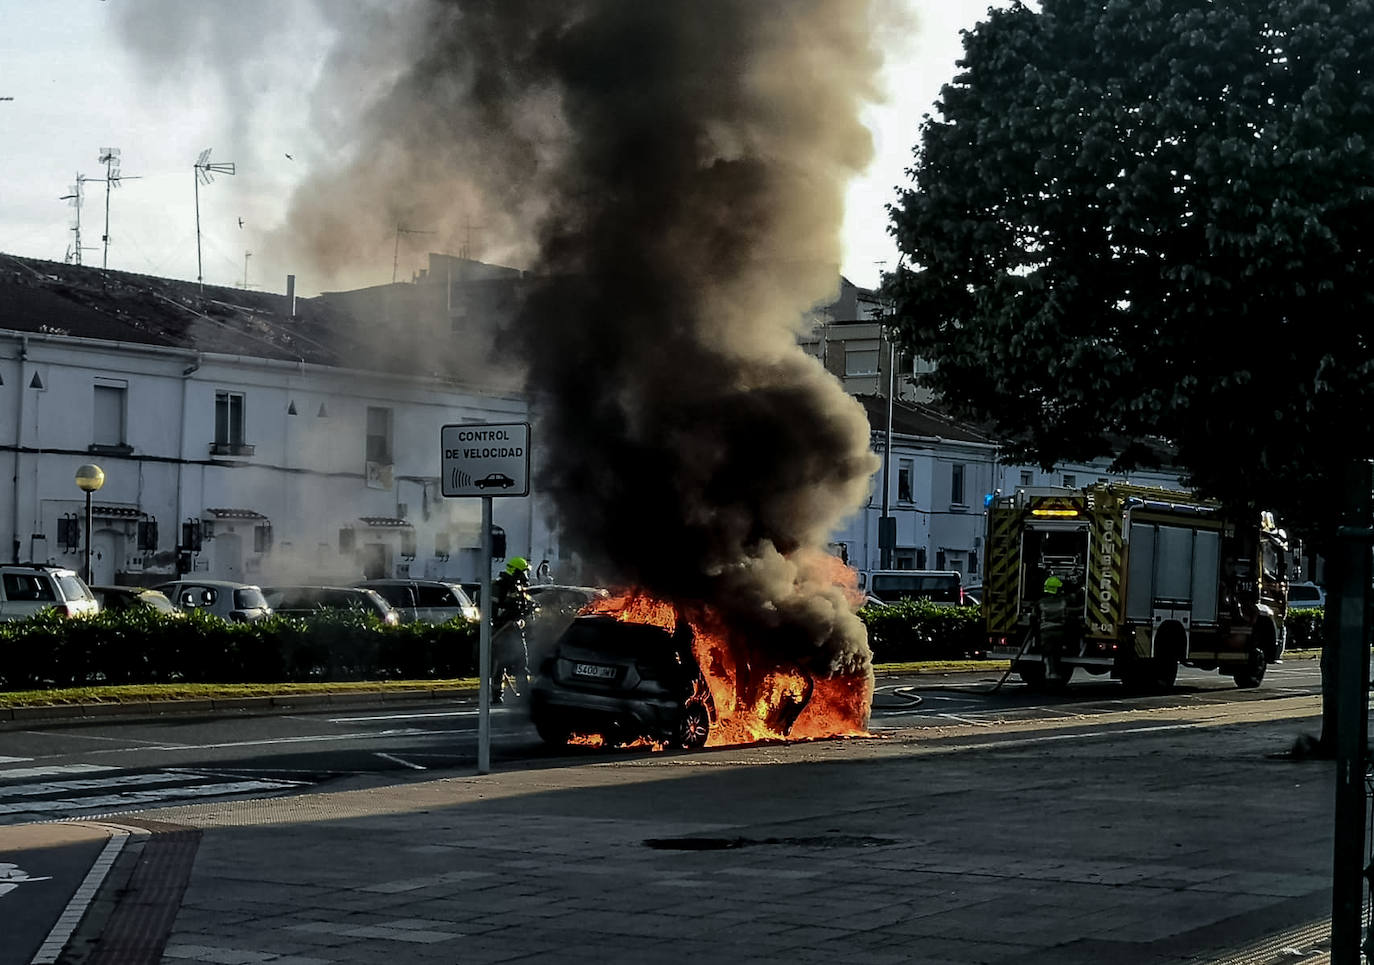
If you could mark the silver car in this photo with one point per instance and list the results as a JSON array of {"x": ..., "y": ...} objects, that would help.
[
  {"x": 30, "y": 588},
  {"x": 235, "y": 602}
]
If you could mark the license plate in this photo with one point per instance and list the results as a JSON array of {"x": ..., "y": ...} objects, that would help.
[{"x": 594, "y": 670}]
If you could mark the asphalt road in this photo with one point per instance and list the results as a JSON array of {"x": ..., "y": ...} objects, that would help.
[
  {"x": 96, "y": 770},
  {"x": 105, "y": 767}
]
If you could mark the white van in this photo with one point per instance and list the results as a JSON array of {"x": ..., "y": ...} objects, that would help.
[{"x": 938, "y": 586}]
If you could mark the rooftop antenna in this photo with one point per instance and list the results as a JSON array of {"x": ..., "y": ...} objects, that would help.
[
  {"x": 465, "y": 252},
  {"x": 109, "y": 156},
  {"x": 396, "y": 255},
  {"x": 205, "y": 171},
  {"x": 246, "y": 256},
  {"x": 74, "y": 196}
]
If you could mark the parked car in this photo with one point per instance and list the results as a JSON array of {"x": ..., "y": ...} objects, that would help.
[
  {"x": 425, "y": 601},
  {"x": 938, "y": 586},
  {"x": 235, "y": 602},
  {"x": 1305, "y": 596},
  {"x": 622, "y": 680},
  {"x": 115, "y": 598},
  {"x": 29, "y": 588},
  {"x": 973, "y": 593},
  {"x": 304, "y": 601}
]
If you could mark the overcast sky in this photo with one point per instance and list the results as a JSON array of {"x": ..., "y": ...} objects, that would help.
[{"x": 77, "y": 88}]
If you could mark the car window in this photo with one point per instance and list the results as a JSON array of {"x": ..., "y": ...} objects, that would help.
[
  {"x": 73, "y": 589},
  {"x": 394, "y": 593},
  {"x": 197, "y": 596},
  {"x": 248, "y": 598},
  {"x": 28, "y": 586},
  {"x": 894, "y": 586},
  {"x": 435, "y": 596},
  {"x": 158, "y": 601},
  {"x": 1303, "y": 593}
]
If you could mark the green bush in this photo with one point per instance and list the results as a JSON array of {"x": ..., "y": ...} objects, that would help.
[
  {"x": 1304, "y": 629},
  {"x": 922, "y": 630},
  {"x": 138, "y": 646}
]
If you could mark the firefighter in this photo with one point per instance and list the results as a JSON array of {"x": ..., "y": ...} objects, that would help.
[
  {"x": 1054, "y": 617},
  {"x": 513, "y": 605}
]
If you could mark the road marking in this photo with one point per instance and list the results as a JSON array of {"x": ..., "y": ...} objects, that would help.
[
  {"x": 85, "y": 894},
  {"x": 396, "y": 760},
  {"x": 127, "y": 800},
  {"x": 443, "y": 713},
  {"x": 50, "y": 770},
  {"x": 360, "y": 735},
  {"x": 93, "y": 737},
  {"x": 965, "y": 720},
  {"x": 1096, "y": 733},
  {"x": 14, "y": 760}
]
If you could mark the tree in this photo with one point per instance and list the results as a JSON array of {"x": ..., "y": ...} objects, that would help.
[{"x": 1154, "y": 219}]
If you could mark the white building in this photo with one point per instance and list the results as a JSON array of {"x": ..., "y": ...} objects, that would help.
[{"x": 242, "y": 436}]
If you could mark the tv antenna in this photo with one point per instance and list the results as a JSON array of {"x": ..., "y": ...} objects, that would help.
[
  {"x": 204, "y": 173},
  {"x": 396, "y": 255},
  {"x": 109, "y": 156},
  {"x": 74, "y": 196}
]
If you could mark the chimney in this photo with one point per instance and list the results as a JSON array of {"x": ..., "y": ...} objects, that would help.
[{"x": 291, "y": 294}]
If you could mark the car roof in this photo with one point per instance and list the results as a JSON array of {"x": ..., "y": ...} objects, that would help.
[{"x": 230, "y": 584}]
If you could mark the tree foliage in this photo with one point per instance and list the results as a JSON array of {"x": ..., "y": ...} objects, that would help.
[{"x": 1153, "y": 219}]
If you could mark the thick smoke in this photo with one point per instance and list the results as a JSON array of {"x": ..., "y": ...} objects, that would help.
[
  {"x": 672, "y": 174},
  {"x": 695, "y": 450}
]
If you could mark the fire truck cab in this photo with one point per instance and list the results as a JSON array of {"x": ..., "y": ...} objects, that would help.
[{"x": 1154, "y": 578}]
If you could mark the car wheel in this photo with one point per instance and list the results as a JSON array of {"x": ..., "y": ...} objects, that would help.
[
  {"x": 551, "y": 732},
  {"x": 695, "y": 726},
  {"x": 1252, "y": 675}
]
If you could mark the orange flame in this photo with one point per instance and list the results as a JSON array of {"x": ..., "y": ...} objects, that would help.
[{"x": 757, "y": 697}]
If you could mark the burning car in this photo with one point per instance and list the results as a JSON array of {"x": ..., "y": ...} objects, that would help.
[{"x": 623, "y": 681}]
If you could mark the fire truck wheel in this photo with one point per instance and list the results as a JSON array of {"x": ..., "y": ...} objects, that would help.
[
  {"x": 1035, "y": 676},
  {"x": 1253, "y": 673}
]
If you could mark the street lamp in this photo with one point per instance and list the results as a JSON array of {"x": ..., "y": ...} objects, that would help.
[{"x": 89, "y": 478}]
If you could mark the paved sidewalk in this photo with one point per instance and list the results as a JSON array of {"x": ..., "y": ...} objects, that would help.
[{"x": 1179, "y": 841}]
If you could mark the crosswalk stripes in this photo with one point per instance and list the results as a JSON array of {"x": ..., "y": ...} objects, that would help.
[{"x": 48, "y": 792}]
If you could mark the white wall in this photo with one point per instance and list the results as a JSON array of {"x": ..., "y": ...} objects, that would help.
[{"x": 305, "y": 475}]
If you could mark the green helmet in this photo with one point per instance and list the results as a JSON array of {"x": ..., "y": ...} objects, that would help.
[
  {"x": 517, "y": 564},
  {"x": 1053, "y": 585}
]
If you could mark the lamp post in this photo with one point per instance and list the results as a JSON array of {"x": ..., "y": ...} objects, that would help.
[{"x": 89, "y": 478}]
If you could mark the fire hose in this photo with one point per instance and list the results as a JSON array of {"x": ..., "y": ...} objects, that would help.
[{"x": 1030, "y": 635}]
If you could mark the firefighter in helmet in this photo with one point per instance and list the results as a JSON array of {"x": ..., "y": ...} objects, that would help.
[
  {"x": 512, "y": 606},
  {"x": 1054, "y": 616}
]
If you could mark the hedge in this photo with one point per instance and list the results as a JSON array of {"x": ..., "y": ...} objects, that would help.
[
  {"x": 1304, "y": 629},
  {"x": 922, "y": 630},
  {"x": 134, "y": 647}
]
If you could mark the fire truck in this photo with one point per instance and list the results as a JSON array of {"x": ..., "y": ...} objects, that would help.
[{"x": 1155, "y": 579}]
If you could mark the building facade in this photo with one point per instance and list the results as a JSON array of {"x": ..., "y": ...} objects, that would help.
[{"x": 222, "y": 457}]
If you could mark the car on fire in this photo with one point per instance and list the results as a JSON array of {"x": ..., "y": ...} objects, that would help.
[{"x": 624, "y": 681}]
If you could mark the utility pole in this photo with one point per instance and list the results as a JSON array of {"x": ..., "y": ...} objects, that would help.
[
  {"x": 246, "y": 256},
  {"x": 396, "y": 255},
  {"x": 1351, "y": 669}
]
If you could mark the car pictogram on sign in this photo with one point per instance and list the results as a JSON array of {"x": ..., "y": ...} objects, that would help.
[{"x": 498, "y": 480}]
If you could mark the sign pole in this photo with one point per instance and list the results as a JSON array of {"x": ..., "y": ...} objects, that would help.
[
  {"x": 485, "y": 460},
  {"x": 484, "y": 649}
]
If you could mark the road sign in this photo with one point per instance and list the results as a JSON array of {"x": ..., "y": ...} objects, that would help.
[{"x": 487, "y": 459}]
